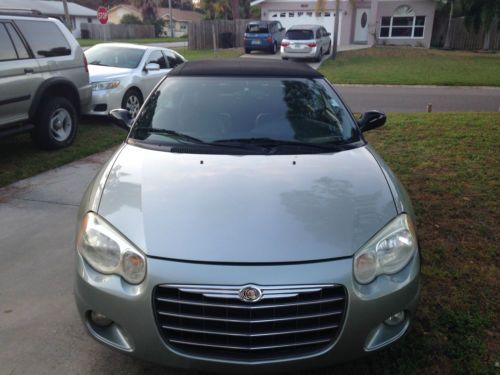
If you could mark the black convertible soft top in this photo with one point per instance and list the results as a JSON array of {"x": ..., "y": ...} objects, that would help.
[{"x": 243, "y": 67}]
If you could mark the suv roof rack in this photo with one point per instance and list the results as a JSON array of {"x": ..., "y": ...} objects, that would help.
[{"x": 21, "y": 12}]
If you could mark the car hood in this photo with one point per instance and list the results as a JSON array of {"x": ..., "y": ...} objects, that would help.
[
  {"x": 99, "y": 73},
  {"x": 247, "y": 209}
]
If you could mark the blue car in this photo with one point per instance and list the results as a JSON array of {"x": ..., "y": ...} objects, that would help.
[{"x": 263, "y": 36}]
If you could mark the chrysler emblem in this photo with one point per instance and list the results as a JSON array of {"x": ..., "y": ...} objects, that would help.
[{"x": 250, "y": 293}]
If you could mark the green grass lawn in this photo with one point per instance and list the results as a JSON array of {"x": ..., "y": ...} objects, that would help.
[
  {"x": 414, "y": 66},
  {"x": 449, "y": 164},
  {"x": 91, "y": 42},
  {"x": 19, "y": 158},
  {"x": 202, "y": 54}
]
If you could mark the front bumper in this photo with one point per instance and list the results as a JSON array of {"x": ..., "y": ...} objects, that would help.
[
  {"x": 135, "y": 330},
  {"x": 104, "y": 101}
]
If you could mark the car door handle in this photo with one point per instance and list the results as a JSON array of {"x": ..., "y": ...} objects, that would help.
[{"x": 28, "y": 70}]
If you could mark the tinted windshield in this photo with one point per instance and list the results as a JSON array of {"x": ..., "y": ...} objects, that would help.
[
  {"x": 258, "y": 28},
  {"x": 211, "y": 109},
  {"x": 118, "y": 57},
  {"x": 299, "y": 34}
]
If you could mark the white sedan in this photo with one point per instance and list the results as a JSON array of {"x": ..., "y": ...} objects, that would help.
[{"x": 122, "y": 75}]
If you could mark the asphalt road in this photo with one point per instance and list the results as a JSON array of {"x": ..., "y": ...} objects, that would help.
[
  {"x": 362, "y": 98},
  {"x": 40, "y": 330}
]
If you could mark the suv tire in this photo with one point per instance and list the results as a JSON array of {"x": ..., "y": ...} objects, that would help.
[
  {"x": 56, "y": 124},
  {"x": 274, "y": 50},
  {"x": 248, "y": 50},
  {"x": 132, "y": 101}
]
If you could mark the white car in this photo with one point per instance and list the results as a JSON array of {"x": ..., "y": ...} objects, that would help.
[{"x": 122, "y": 75}]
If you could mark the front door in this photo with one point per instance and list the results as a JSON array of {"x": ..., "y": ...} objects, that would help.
[{"x": 361, "y": 29}]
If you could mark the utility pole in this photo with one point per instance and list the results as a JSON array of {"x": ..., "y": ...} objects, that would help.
[
  {"x": 170, "y": 19},
  {"x": 66, "y": 15}
]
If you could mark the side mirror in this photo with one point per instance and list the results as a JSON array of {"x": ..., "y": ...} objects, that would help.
[
  {"x": 152, "y": 67},
  {"x": 328, "y": 34},
  {"x": 372, "y": 120},
  {"x": 282, "y": 29},
  {"x": 121, "y": 118}
]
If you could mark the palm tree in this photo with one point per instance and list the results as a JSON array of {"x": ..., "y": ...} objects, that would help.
[
  {"x": 320, "y": 6},
  {"x": 447, "y": 39}
]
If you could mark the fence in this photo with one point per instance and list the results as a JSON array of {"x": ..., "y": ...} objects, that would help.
[
  {"x": 110, "y": 31},
  {"x": 202, "y": 33},
  {"x": 463, "y": 39}
]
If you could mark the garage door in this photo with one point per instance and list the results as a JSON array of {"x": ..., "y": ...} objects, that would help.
[{"x": 302, "y": 17}]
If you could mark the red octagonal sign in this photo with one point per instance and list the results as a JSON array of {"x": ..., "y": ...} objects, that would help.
[{"x": 102, "y": 15}]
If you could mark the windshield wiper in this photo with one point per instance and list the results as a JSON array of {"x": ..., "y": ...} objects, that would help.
[
  {"x": 270, "y": 142},
  {"x": 173, "y": 134}
]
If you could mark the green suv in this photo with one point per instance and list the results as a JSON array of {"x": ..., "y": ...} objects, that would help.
[{"x": 44, "y": 78}]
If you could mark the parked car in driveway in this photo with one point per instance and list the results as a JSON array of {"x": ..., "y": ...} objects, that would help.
[
  {"x": 263, "y": 36},
  {"x": 246, "y": 224},
  {"x": 44, "y": 80},
  {"x": 122, "y": 75},
  {"x": 306, "y": 42}
]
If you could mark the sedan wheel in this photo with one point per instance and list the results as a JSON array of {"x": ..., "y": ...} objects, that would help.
[{"x": 132, "y": 102}]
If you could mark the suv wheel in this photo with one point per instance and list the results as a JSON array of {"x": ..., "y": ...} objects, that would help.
[
  {"x": 320, "y": 55},
  {"x": 248, "y": 50},
  {"x": 56, "y": 124},
  {"x": 132, "y": 102},
  {"x": 275, "y": 48}
]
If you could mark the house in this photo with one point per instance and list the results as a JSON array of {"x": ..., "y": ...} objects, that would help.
[
  {"x": 181, "y": 18},
  {"x": 78, "y": 14},
  {"x": 394, "y": 22}
]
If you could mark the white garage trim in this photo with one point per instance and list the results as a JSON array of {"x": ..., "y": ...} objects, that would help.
[{"x": 290, "y": 18}]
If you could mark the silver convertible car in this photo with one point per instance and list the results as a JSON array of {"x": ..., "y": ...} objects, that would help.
[{"x": 246, "y": 225}]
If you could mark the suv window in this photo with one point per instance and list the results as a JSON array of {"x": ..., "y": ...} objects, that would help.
[
  {"x": 157, "y": 57},
  {"x": 45, "y": 38},
  {"x": 22, "y": 52},
  {"x": 257, "y": 28},
  {"x": 7, "y": 51},
  {"x": 299, "y": 35}
]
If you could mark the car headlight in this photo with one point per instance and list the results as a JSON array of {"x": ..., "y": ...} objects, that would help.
[
  {"x": 106, "y": 85},
  {"x": 388, "y": 252},
  {"x": 108, "y": 251}
]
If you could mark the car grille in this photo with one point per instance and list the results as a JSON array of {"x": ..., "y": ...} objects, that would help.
[{"x": 212, "y": 321}]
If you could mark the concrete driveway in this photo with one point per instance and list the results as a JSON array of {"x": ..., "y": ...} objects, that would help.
[{"x": 40, "y": 331}]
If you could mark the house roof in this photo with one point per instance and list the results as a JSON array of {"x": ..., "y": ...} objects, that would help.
[
  {"x": 180, "y": 15},
  {"x": 244, "y": 68},
  {"x": 177, "y": 14},
  {"x": 49, "y": 8}
]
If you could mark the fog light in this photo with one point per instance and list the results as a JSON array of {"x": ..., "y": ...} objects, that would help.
[
  {"x": 395, "y": 319},
  {"x": 99, "y": 319}
]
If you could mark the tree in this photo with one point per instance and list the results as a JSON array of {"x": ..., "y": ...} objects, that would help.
[
  {"x": 320, "y": 6},
  {"x": 149, "y": 10},
  {"x": 215, "y": 9},
  {"x": 482, "y": 13},
  {"x": 130, "y": 19},
  {"x": 447, "y": 39}
]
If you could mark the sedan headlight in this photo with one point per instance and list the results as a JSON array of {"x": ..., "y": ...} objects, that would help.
[
  {"x": 388, "y": 252},
  {"x": 108, "y": 251},
  {"x": 106, "y": 85}
]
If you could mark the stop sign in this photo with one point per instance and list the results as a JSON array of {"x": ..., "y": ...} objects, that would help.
[{"x": 102, "y": 15}]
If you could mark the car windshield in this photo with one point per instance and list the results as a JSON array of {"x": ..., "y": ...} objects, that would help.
[
  {"x": 118, "y": 57},
  {"x": 257, "y": 28},
  {"x": 299, "y": 34},
  {"x": 241, "y": 111}
]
